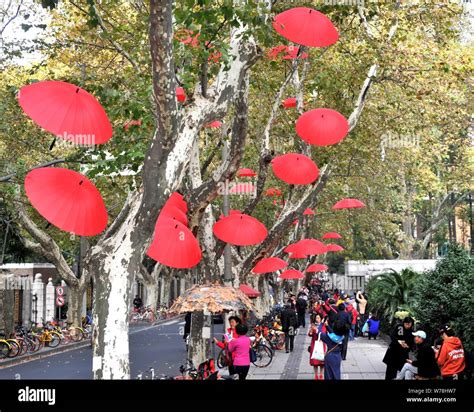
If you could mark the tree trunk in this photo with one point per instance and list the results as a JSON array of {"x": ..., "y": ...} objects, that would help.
[
  {"x": 200, "y": 348},
  {"x": 74, "y": 305},
  {"x": 165, "y": 292}
]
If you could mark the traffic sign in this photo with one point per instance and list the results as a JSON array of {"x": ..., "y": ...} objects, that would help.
[
  {"x": 60, "y": 301},
  {"x": 60, "y": 291}
]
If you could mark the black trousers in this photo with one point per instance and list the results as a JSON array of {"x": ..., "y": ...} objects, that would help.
[
  {"x": 345, "y": 343},
  {"x": 301, "y": 319},
  {"x": 391, "y": 373},
  {"x": 242, "y": 371},
  {"x": 289, "y": 342}
]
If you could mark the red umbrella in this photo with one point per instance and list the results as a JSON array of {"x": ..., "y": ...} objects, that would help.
[
  {"x": 67, "y": 111},
  {"x": 231, "y": 212},
  {"x": 239, "y": 188},
  {"x": 308, "y": 211},
  {"x": 250, "y": 292},
  {"x": 272, "y": 191},
  {"x": 240, "y": 229},
  {"x": 67, "y": 199},
  {"x": 177, "y": 199},
  {"x": 306, "y": 26},
  {"x": 332, "y": 247},
  {"x": 292, "y": 53},
  {"x": 274, "y": 52},
  {"x": 289, "y": 102},
  {"x": 244, "y": 172},
  {"x": 298, "y": 255},
  {"x": 348, "y": 204},
  {"x": 291, "y": 274},
  {"x": 322, "y": 127},
  {"x": 311, "y": 247},
  {"x": 271, "y": 264},
  {"x": 180, "y": 94},
  {"x": 172, "y": 212},
  {"x": 295, "y": 222},
  {"x": 295, "y": 169},
  {"x": 214, "y": 125},
  {"x": 332, "y": 235},
  {"x": 316, "y": 267},
  {"x": 174, "y": 245}
]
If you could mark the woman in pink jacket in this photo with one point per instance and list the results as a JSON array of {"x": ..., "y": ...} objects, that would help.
[{"x": 240, "y": 349}]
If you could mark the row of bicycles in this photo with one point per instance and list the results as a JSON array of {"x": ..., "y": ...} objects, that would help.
[
  {"x": 23, "y": 341},
  {"x": 147, "y": 315}
]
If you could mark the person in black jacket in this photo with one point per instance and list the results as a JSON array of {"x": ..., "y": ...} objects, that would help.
[
  {"x": 425, "y": 366},
  {"x": 301, "y": 305},
  {"x": 401, "y": 344},
  {"x": 289, "y": 324},
  {"x": 342, "y": 322}
]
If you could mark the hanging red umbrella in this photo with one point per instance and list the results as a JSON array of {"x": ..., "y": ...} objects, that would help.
[
  {"x": 67, "y": 111},
  {"x": 231, "y": 212},
  {"x": 298, "y": 255},
  {"x": 289, "y": 102},
  {"x": 348, "y": 204},
  {"x": 291, "y": 274},
  {"x": 311, "y": 247},
  {"x": 295, "y": 169},
  {"x": 322, "y": 127},
  {"x": 271, "y": 264},
  {"x": 332, "y": 235},
  {"x": 250, "y": 292},
  {"x": 274, "y": 52},
  {"x": 172, "y": 212},
  {"x": 332, "y": 247},
  {"x": 308, "y": 211},
  {"x": 177, "y": 199},
  {"x": 180, "y": 94},
  {"x": 244, "y": 172},
  {"x": 174, "y": 245},
  {"x": 66, "y": 199},
  {"x": 306, "y": 26},
  {"x": 272, "y": 191},
  {"x": 240, "y": 229},
  {"x": 241, "y": 188},
  {"x": 316, "y": 267},
  {"x": 214, "y": 125},
  {"x": 292, "y": 53}
]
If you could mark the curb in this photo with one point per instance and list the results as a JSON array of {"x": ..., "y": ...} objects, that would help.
[{"x": 66, "y": 348}]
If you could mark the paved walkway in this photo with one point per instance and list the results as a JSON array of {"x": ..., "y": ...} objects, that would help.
[{"x": 364, "y": 361}]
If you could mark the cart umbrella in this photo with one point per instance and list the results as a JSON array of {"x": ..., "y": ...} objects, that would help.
[
  {"x": 332, "y": 235},
  {"x": 240, "y": 229},
  {"x": 67, "y": 111},
  {"x": 292, "y": 274},
  {"x": 295, "y": 169},
  {"x": 271, "y": 264},
  {"x": 211, "y": 298},
  {"x": 306, "y": 26},
  {"x": 174, "y": 245},
  {"x": 316, "y": 267},
  {"x": 67, "y": 199},
  {"x": 348, "y": 204},
  {"x": 322, "y": 127},
  {"x": 250, "y": 292}
]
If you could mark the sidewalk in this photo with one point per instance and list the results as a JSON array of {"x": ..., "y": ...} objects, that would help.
[{"x": 364, "y": 361}]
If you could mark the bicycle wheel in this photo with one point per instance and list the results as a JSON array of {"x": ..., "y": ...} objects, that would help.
[
  {"x": 264, "y": 355},
  {"x": 222, "y": 359},
  {"x": 14, "y": 348},
  {"x": 5, "y": 349},
  {"x": 35, "y": 343},
  {"x": 76, "y": 334},
  {"x": 55, "y": 340}
]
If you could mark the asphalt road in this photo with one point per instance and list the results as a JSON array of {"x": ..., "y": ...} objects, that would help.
[{"x": 161, "y": 347}]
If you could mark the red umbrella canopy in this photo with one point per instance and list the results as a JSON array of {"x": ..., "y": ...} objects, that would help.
[
  {"x": 332, "y": 235},
  {"x": 67, "y": 111},
  {"x": 177, "y": 199},
  {"x": 214, "y": 125},
  {"x": 240, "y": 229},
  {"x": 67, "y": 199},
  {"x": 174, "y": 245},
  {"x": 348, "y": 204},
  {"x": 172, "y": 212},
  {"x": 245, "y": 172},
  {"x": 311, "y": 247},
  {"x": 322, "y": 127},
  {"x": 308, "y": 211},
  {"x": 332, "y": 247},
  {"x": 292, "y": 274},
  {"x": 272, "y": 191},
  {"x": 295, "y": 169},
  {"x": 271, "y": 264},
  {"x": 289, "y": 102},
  {"x": 250, "y": 292},
  {"x": 298, "y": 255},
  {"x": 180, "y": 94},
  {"x": 316, "y": 267},
  {"x": 306, "y": 26},
  {"x": 231, "y": 212}
]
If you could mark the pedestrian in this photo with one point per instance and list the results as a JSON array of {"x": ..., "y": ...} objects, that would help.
[
  {"x": 137, "y": 303},
  {"x": 343, "y": 323},
  {"x": 187, "y": 325},
  {"x": 425, "y": 366},
  {"x": 289, "y": 324},
  {"x": 362, "y": 304},
  {"x": 332, "y": 359},
  {"x": 301, "y": 305},
  {"x": 317, "y": 364},
  {"x": 450, "y": 356},
  {"x": 401, "y": 341},
  {"x": 226, "y": 339},
  {"x": 240, "y": 350},
  {"x": 354, "y": 315},
  {"x": 373, "y": 326}
]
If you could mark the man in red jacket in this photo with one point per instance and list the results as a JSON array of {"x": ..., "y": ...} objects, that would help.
[
  {"x": 450, "y": 356},
  {"x": 354, "y": 315}
]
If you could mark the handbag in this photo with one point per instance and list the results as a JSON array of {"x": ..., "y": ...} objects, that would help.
[
  {"x": 253, "y": 355},
  {"x": 318, "y": 350}
]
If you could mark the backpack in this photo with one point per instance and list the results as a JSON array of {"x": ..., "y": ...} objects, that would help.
[{"x": 341, "y": 326}]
